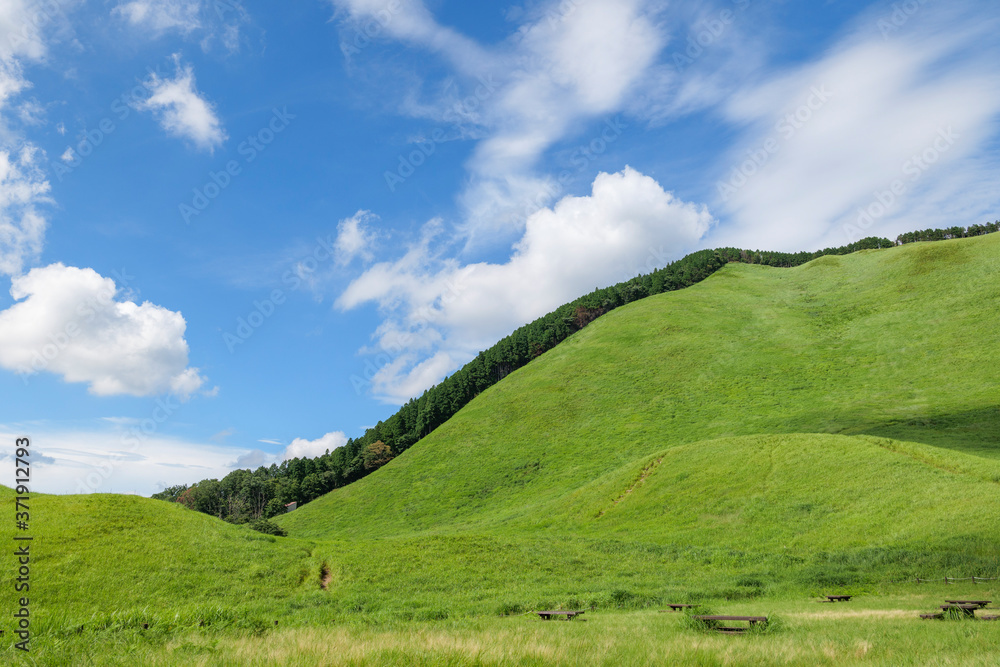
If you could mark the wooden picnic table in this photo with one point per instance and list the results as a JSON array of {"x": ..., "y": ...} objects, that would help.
[
  {"x": 547, "y": 615},
  {"x": 750, "y": 620},
  {"x": 979, "y": 603},
  {"x": 839, "y": 598},
  {"x": 678, "y": 606},
  {"x": 967, "y": 607}
]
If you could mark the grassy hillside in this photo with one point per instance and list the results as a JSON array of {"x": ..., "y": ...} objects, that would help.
[
  {"x": 900, "y": 343},
  {"x": 115, "y": 555},
  {"x": 765, "y": 434}
]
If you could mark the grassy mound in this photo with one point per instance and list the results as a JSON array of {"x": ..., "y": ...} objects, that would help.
[{"x": 116, "y": 555}]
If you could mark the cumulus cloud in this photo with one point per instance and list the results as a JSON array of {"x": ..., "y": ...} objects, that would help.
[
  {"x": 161, "y": 15},
  {"x": 829, "y": 141},
  {"x": 439, "y": 312},
  {"x": 68, "y": 321},
  {"x": 22, "y": 228},
  {"x": 182, "y": 110},
  {"x": 301, "y": 447}
]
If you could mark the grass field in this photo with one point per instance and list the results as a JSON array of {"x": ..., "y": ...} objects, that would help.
[
  {"x": 760, "y": 438},
  {"x": 882, "y": 629}
]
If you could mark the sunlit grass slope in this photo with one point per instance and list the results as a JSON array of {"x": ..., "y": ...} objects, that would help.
[
  {"x": 901, "y": 343},
  {"x": 106, "y": 554}
]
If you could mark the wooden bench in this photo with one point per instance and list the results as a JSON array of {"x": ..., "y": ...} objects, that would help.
[
  {"x": 839, "y": 598},
  {"x": 547, "y": 615},
  {"x": 732, "y": 630},
  {"x": 678, "y": 606}
]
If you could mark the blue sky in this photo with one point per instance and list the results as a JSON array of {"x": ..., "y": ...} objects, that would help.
[{"x": 232, "y": 233}]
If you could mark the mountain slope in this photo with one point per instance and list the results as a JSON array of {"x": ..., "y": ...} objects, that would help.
[{"x": 899, "y": 343}]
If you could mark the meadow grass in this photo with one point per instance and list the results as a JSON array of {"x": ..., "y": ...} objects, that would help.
[
  {"x": 870, "y": 630},
  {"x": 760, "y": 438}
]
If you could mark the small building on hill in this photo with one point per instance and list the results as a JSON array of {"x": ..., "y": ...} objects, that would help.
[{"x": 290, "y": 506}]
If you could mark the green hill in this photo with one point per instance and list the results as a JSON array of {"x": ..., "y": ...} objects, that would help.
[
  {"x": 97, "y": 559},
  {"x": 766, "y": 432},
  {"x": 901, "y": 343}
]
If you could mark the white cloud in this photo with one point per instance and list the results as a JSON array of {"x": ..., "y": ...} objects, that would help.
[
  {"x": 301, "y": 447},
  {"x": 22, "y": 228},
  {"x": 253, "y": 460},
  {"x": 161, "y": 15},
  {"x": 449, "y": 310},
  {"x": 208, "y": 21},
  {"x": 847, "y": 127},
  {"x": 67, "y": 321},
  {"x": 574, "y": 63},
  {"x": 119, "y": 461},
  {"x": 19, "y": 34},
  {"x": 11, "y": 80},
  {"x": 181, "y": 109},
  {"x": 354, "y": 239}
]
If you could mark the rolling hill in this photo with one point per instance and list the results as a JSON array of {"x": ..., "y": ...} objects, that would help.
[
  {"x": 766, "y": 430},
  {"x": 901, "y": 345}
]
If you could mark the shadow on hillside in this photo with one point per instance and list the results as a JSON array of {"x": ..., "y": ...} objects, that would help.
[{"x": 975, "y": 432}]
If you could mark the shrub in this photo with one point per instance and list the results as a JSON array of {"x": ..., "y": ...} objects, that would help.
[
  {"x": 510, "y": 609},
  {"x": 268, "y": 527}
]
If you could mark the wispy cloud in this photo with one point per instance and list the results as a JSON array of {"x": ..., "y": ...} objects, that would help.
[
  {"x": 881, "y": 134},
  {"x": 355, "y": 238},
  {"x": 84, "y": 461},
  {"x": 23, "y": 188},
  {"x": 210, "y": 22},
  {"x": 162, "y": 15},
  {"x": 574, "y": 63}
]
